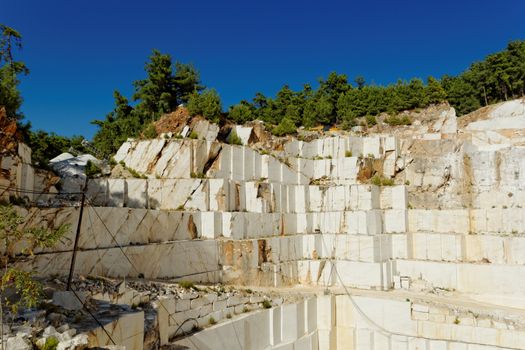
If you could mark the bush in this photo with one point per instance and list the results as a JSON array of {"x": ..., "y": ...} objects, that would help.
[
  {"x": 50, "y": 344},
  {"x": 381, "y": 181},
  {"x": 150, "y": 132},
  {"x": 212, "y": 320},
  {"x": 234, "y": 139},
  {"x": 193, "y": 135},
  {"x": 348, "y": 153},
  {"x": 197, "y": 175},
  {"x": 208, "y": 104},
  {"x": 92, "y": 169},
  {"x": 186, "y": 284},
  {"x": 371, "y": 120},
  {"x": 266, "y": 304},
  {"x": 396, "y": 120},
  {"x": 285, "y": 127}
]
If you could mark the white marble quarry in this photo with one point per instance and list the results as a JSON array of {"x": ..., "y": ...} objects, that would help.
[
  {"x": 205, "y": 130},
  {"x": 194, "y": 260},
  {"x": 357, "y": 322},
  {"x": 243, "y": 133},
  {"x": 250, "y": 196},
  {"x": 127, "y": 331}
]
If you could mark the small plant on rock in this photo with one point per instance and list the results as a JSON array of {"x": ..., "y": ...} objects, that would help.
[
  {"x": 234, "y": 139},
  {"x": 50, "y": 344},
  {"x": 186, "y": 284},
  {"x": 212, "y": 321},
  {"x": 266, "y": 304},
  {"x": 92, "y": 169},
  {"x": 12, "y": 235}
]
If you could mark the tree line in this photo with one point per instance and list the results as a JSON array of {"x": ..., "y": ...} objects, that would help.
[{"x": 336, "y": 100}]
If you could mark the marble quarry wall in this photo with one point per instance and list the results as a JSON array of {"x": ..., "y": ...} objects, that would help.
[{"x": 363, "y": 322}]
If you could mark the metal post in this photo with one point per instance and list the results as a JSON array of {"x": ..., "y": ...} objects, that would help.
[{"x": 75, "y": 246}]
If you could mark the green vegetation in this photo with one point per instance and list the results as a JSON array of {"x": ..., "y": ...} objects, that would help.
[
  {"x": 10, "y": 70},
  {"x": 381, "y": 181},
  {"x": 285, "y": 127},
  {"x": 500, "y": 76},
  {"x": 208, "y": 104},
  {"x": 194, "y": 175},
  {"x": 348, "y": 153},
  {"x": 212, "y": 320},
  {"x": 234, "y": 139},
  {"x": 150, "y": 132},
  {"x": 186, "y": 284},
  {"x": 92, "y": 169},
  {"x": 193, "y": 135},
  {"x": 12, "y": 234},
  {"x": 397, "y": 120},
  {"x": 50, "y": 344},
  {"x": 160, "y": 92},
  {"x": 266, "y": 304},
  {"x": 370, "y": 120}
]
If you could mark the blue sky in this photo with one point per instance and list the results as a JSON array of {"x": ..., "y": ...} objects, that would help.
[{"x": 80, "y": 51}]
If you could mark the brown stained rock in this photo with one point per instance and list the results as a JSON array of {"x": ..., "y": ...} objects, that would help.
[
  {"x": 366, "y": 171},
  {"x": 227, "y": 248},
  {"x": 173, "y": 122},
  {"x": 9, "y": 134},
  {"x": 192, "y": 228},
  {"x": 263, "y": 252}
]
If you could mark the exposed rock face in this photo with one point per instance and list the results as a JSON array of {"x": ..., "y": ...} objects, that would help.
[{"x": 434, "y": 209}]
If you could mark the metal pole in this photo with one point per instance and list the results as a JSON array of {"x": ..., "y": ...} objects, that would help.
[{"x": 75, "y": 246}]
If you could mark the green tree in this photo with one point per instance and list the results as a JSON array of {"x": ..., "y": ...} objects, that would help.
[
  {"x": 120, "y": 124},
  {"x": 434, "y": 91},
  {"x": 360, "y": 81},
  {"x": 285, "y": 127},
  {"x": 461, "y": 94},
  {"x": 157, "y": 94},
  {"x": 10, "y": 70},
  {"x": 208, "y": 104},
  {"x": 187, "y": 81},
  {"x": 242, "y": 112}
]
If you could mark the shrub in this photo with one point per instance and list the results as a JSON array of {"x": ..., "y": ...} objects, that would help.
[
  {"x": 348, "y": 153},
  {"x": 212, "y": 321},
  {"x": 92, "y": 169},
  {"x": 150, "y": 132},
  {"x": 197, "y": 175},
  {"x": 134, "y": 173},
  {"x": 208, "y": 104},
  {"x": 285, "y": 127},
  {"x": 381, "y": 181},
  {"x": 396, "y": 120},
  {"x": 371, "y": 120},
  {"x": 234, "y": 139},
  {"x": 186, "y": 284},
  {"x": 193, "y": 135},
  {"x": 266, "y": 304},
  {"x": 50, "y": 344}
]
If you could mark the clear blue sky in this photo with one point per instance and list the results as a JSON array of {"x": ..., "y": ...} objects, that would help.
[{"x": 80, "y": 51}]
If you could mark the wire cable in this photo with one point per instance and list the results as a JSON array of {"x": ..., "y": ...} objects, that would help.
[
  {"x": 23, "y": 190},
  {"x": 138, "y": 273}
]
